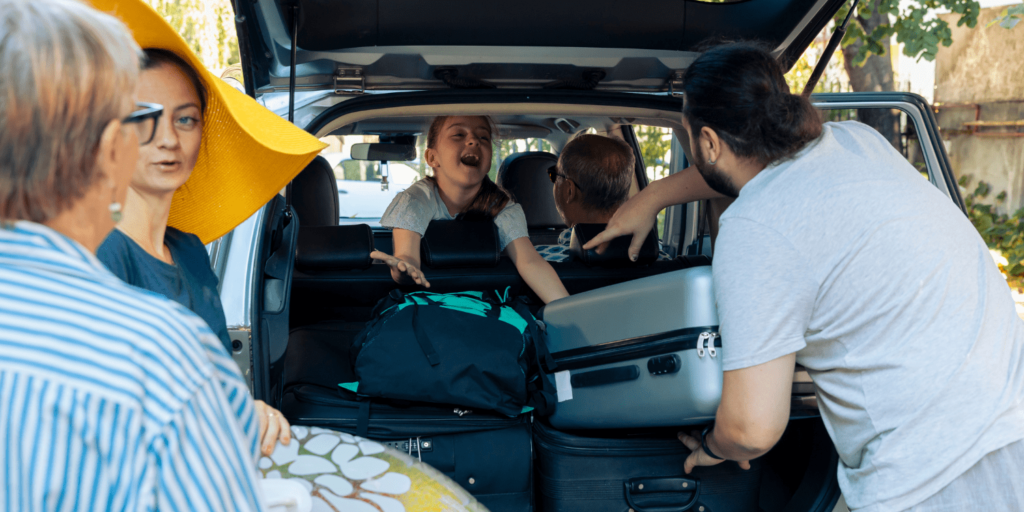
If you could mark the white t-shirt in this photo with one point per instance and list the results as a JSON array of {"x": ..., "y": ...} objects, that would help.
[
  {"x": 413, "y": 209},
  {"x": 847, "y": 256}
]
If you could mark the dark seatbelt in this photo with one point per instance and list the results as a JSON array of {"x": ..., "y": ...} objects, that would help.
[{"x": 700, "y": 227}]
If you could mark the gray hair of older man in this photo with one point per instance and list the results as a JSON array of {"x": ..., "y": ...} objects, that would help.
[
  {"x": 67, "y": 69},
  {"x": 601, "y": 167}
]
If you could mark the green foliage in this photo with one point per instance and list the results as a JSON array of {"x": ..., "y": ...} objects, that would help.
[
  {"x": 655, "y": 146},
  {"x": 504, "y": 147},
  {"x": 355, "y": 170},
  {"x": 915, "y": 26},
  {"x": 800, "y": 73},
  {"x": 206, "y": 25},
  {"x": 1002, "y": 232},
  {"x": 1009, "y": 17}
]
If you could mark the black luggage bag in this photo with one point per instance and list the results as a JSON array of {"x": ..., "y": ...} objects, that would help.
[
  {"x": 488, "y": 454},
  {"x": 641, "y": 473}
]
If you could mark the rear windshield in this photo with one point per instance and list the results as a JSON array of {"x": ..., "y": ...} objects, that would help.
[{"x": 360, "y": 198}]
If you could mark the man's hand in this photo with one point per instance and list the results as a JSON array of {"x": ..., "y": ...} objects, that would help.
[
  {"x": 402, "y": 267},
  {"x": 636, "y": 217},
  {"x": 273, "y": 427},
  {"x": 698, "y": 457}
]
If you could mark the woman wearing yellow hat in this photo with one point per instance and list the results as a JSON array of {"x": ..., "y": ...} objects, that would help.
[
  {"x": 208, "y": 168},
  {"x": 216, "y": 157}
]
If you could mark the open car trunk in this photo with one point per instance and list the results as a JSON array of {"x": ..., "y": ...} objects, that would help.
[
  {"x": 361, "y": 45},
  {"x": 301, "y": 341}
]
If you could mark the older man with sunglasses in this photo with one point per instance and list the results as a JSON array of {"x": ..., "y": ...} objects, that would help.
[{"x": 590, "y": 182}]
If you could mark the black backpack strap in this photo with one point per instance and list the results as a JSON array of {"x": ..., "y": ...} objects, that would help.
[
  {"x": 542, "y": 400},
  {"x": 363, "y": 421},
  {"x": 540, "y": 347},
  {"x": 544, "y": 359},
  {"x": 542, "y": 397},
  {"x": 424, "y": 343},
  {"x": 393, "y": 298}
]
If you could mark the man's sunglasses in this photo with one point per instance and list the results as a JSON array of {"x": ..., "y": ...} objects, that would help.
[
  {"x": 554, "y": 174},
  {"x": 145, "y": 119}
]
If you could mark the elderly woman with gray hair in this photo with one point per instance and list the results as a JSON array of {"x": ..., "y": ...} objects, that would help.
[{"x": 113, "y": 398}]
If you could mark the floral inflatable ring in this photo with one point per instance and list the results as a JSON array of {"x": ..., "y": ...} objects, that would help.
[{"x": 346, "y": 473}]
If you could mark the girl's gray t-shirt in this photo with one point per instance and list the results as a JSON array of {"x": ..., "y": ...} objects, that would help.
[
  {"x": 414, "y": 208},
  {"x": 848, "y": 257}
]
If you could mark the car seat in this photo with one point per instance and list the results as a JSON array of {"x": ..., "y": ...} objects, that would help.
[
  {"x": 525, "y": 177},
  {"x": 315, "y": 194}
]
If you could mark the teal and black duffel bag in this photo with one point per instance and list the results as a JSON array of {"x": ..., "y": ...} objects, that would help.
[{"x": 471, "y": 349}]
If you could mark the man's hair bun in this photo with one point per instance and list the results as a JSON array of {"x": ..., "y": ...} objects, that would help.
[{"x": 738, "y": 90}]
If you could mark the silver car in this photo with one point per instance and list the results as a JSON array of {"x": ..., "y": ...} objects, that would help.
[{"x": 544, "y": 71}]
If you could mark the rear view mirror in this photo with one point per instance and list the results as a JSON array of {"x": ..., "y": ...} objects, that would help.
[{"x": 381, "y": 152}]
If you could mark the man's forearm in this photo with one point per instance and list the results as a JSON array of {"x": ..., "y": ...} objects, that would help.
[
  {"x": 682, "y": 187},
  {"x": 755, "y": 409}
]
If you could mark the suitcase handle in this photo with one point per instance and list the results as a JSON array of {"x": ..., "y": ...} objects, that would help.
[{"x": 662, "y": 485}]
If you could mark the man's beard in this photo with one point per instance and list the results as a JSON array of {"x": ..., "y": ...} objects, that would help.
[{"x": 716, "y": 179}]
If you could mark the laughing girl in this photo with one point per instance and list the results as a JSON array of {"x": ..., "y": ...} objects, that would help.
[{"x": 459, "y": 149}]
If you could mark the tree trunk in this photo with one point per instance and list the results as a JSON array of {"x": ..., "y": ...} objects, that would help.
[{"x": 875, "y": 75}]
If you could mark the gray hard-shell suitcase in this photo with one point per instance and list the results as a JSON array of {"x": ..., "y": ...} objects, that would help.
[{"x": 645, "y": 353}]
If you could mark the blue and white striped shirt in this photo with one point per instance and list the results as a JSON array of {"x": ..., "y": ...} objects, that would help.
[{"x": 113, "y": 398}]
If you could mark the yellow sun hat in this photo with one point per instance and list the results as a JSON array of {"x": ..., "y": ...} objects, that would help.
[{"x": 248, "y": 153}]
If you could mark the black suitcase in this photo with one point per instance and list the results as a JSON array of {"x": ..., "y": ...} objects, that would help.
[
  {"x": 638, "y": 473},
  {"x": 488, "y": 454}
]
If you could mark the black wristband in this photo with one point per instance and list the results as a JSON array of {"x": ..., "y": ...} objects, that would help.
[{"x": 704, "y": 442}]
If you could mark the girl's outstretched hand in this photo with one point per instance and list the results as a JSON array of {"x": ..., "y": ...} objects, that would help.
[{"x": 402, "y": 267}]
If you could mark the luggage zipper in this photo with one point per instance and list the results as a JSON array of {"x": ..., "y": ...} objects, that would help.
[
  {"x": 463, "y": 412},
  {"x": 706, "y": 344}
]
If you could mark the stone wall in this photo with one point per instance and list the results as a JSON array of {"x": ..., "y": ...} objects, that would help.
[{"x": 980, "y": 78}]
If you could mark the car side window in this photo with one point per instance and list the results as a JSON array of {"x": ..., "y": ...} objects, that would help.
[{"x": 656, "y": 146}]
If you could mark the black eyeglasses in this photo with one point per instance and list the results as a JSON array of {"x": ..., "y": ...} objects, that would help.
[
  {"x": 554, "y": 174},
  {"x": 145, "y": 119}
]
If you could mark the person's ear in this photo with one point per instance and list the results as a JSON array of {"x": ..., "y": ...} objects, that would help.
[
  {"x": 433, "y": 160},
  {"x": 110, "y": 152},
  {"x": 571, "y": 192},
  {"x": 710, "y": 144}
]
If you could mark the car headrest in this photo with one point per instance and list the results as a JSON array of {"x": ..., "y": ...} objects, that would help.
[
  {"x": 334, "y": 247},
  {"x": 315, "y": 194},
  {"x": 617, "y": 253},
  {"x": 460, "y": 243},
  {"x": 525, "y": 177}
]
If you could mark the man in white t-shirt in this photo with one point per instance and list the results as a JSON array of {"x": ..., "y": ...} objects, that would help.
[{"x": 838, "y": 255}]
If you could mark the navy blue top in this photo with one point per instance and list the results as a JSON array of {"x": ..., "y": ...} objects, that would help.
[{"x": 189, "y": 282}]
